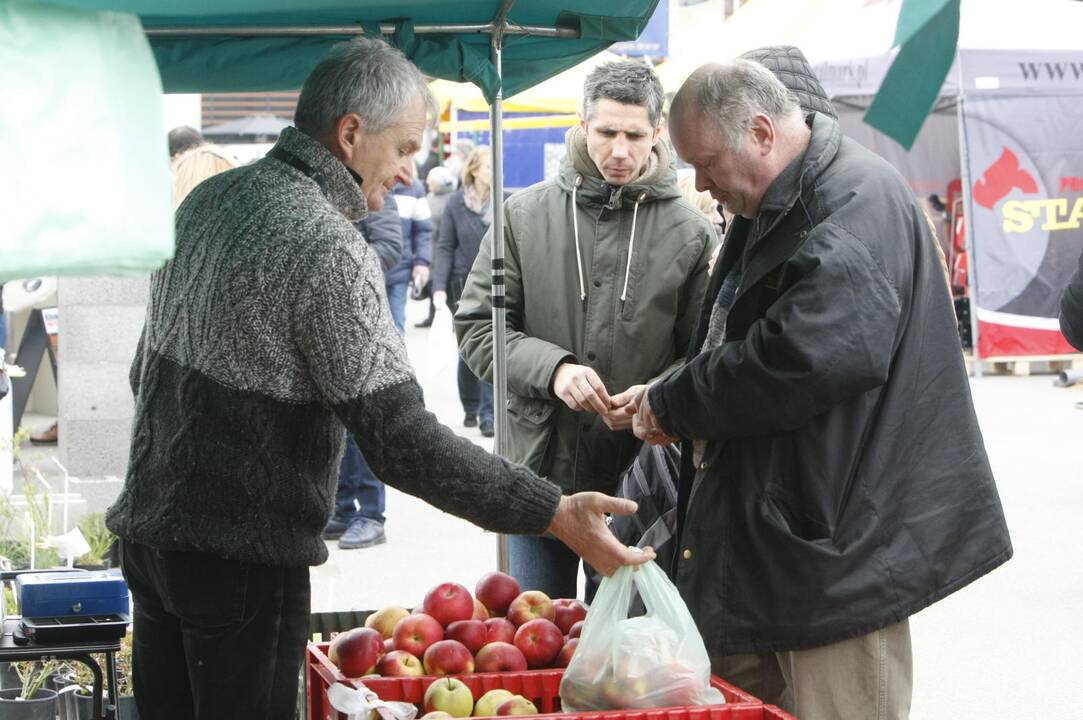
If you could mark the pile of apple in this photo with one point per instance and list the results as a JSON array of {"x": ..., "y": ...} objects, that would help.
[
  {"x": 451, "y": 698},
  {"x": 500, "y": 630}
]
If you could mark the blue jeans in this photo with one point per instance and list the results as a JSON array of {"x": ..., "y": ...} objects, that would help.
[
  {"x": 396, "y": 298},
  {"x": 476, "y": 395},
  {"x": 359, "y": 493},
  {"x": 542, "y": 563}
]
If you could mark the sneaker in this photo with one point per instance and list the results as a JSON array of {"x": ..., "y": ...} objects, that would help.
[
  {"x": 363, "y": 532},
  {"x": 335, "y": 528},
  {"x": 470, "y": 420},
  {"x": 487, "y": 428}
]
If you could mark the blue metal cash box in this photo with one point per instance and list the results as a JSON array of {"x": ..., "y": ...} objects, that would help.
[{"x": 43, "y": 595}]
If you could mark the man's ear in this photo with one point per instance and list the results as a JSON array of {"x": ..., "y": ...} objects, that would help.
[
  {"x": 582, "y": 123},
  {"x": 348, "y": 131},
  {"x": 657, "y": 134},
  {"x": 763, "y": 134}
]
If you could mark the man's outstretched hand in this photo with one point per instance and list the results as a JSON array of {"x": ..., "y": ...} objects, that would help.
[{"x": 580, "y": 524}]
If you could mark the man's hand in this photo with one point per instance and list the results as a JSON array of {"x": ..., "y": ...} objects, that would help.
[
  {"x": 645, "y": 424},
  {"x": 581, "y": 389},
  {"x": 439, "y": 298},
  {"x": 421, "y": 274},
  {"x": 580, "y": 524},
  {"x": 618, "y": 417}
]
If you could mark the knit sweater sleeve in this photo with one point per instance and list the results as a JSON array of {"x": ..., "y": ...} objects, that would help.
[{"x": 358, "y": 362}]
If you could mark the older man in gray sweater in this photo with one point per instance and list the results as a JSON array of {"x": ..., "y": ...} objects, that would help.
[{"x": 266, "y": 335}]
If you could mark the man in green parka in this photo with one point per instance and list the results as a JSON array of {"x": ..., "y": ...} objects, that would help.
[{"x": 605, "y": 268}]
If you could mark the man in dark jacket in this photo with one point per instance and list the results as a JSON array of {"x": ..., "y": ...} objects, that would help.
[
  {"x": 1071, "y": 309},
  {"x": 834, "y": 480}
]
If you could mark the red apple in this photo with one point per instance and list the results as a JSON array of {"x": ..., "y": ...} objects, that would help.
[
  {"x": 356, "y": 651},
  {"x": 518, "y": 705},
  {"x": 500, "y": 657},
  {"x": 448, "y": 657},
  {"x": 480, "y": 611},
  {"x": 416, "y": 633},
  {"x": 470, "y": 633},
  {"x": 576, "y": 630},
  {"x": 540, "y": 640},
  {"x": 389, "y": 645},
  {"x": 565, "y": 655},
  {"x": 499, "y": 630},
  {"x": 399, "y": 663},
  {"x": 530, "y": 605},
  {"x": 385, "y": 619},
  {"x": 448, "y": 602},
  {"x": 497, "y": 590},
  {"x": 568, "y": 613}
]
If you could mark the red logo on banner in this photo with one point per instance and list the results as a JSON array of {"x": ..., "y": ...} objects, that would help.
[{"x": 1001, "y": 178}]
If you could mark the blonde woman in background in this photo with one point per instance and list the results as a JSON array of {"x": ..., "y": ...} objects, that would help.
[
  {"x": 192, "y": 167},
  {"x": 708, "y": 206}
]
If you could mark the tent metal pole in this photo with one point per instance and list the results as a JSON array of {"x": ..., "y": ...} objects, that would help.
[
  {"x": 500, "y": 347},
  {"x": 493, "y": 29},
  {"x": 971, "y": 263}
]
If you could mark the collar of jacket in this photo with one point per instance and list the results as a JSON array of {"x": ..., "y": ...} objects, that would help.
[
  {"x": 658, "y": 182},
  {"x": 798, "y": 180},
  {"x": 340, "y": 184}
]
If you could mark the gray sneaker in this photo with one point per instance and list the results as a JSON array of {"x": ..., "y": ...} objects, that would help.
[
  {"x": 362, "y": 533},
  {"x": 335, "y": 528}
]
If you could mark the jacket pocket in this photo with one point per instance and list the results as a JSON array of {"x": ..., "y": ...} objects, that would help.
[
  {"x": 778, "y": 508},
  {"x": 530, "y": 425}
]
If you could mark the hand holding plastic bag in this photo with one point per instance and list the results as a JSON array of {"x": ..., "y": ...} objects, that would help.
[{"x": 657, "y": 660}]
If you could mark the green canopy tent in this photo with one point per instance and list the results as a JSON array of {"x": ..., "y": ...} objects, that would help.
[{"x": 502, "y": 46}]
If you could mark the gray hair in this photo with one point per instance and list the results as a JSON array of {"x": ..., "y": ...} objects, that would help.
[
  {"x": 364, "y": 76},
  {"x": 630, "y": 83},
  {"x": 731, "y": 94}
]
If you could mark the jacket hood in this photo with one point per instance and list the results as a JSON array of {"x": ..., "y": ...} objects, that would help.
[
  {"x": 790, "y": 66},
  {"x": 658, "y": 182}
]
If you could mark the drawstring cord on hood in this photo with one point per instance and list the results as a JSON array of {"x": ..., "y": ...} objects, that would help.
[
  {"x": 631, "y": 245},
  {"x": 578, "y": 254}
]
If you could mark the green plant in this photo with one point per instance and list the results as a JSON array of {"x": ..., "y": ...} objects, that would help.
[
  {"x": 33, "y": 674},
  {"x": 98, "y": 536},
  {"x": 85, "y": 679},
  {"x": 15, "y": 546}
]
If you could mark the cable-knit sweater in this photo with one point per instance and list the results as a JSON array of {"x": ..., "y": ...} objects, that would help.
[{"x": 267, "y": 333}]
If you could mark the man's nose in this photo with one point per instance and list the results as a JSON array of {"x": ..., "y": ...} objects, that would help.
[
  {"x": 702, "y": 182},
  {"x": 620, "y": 149}
]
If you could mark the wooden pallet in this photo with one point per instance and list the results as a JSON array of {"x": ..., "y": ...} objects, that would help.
[{"x": 1025, "y": 366}]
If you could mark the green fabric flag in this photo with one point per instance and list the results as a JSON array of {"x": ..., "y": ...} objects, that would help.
[{"x": 927, "y": 35}]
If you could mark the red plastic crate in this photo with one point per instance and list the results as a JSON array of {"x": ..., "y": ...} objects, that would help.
[{"x": 540, "y": 686}]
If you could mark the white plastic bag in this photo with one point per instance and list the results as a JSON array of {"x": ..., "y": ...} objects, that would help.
[
  {"x": 657, "y": 660},
  {"x": 363, "y": 704},
  {"x": 84, "y": 168},
  {"x": 441, "y": 350}
]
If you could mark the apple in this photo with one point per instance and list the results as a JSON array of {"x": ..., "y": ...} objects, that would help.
[
  {"x": 450, "y": 695},
  {"x": 500, "y": 657},
  {"x": 568, "y": 613},
  {"x": 530, "y": 605},
  {"x": 385, "y": 619},
  {"x": 517, "y": 705},
  {"x": 499, "y": 630},
  {"x": 448, "y": 657},
  {"x": 416, "y": 633},
  {"x": 399, "y": 663},
  {"x": 480, "y": 611},
  {"x": 448, "y": 602},
  {"x": 471, "y": 633},
  {"x": 389, "y": 644},
  {"x": 356, "y": 651},
  {"x": 540, "y": 641},
  {"x": 487, "y": 704},
  {"x": 497, "y": 590},
  {"x": 435, "y": 715},
  {"x": 575, "y": 630},
  {"x": 565, "y": 655},
  {"x": 625, "y": 693}
]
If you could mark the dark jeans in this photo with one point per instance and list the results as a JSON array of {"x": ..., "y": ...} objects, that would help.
[
  {"x": 214, "y": 638},
  {"x": 359, "y": 493},
  {"x": 546, "y": 564},
  {"x": 476, "y": 395}
]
